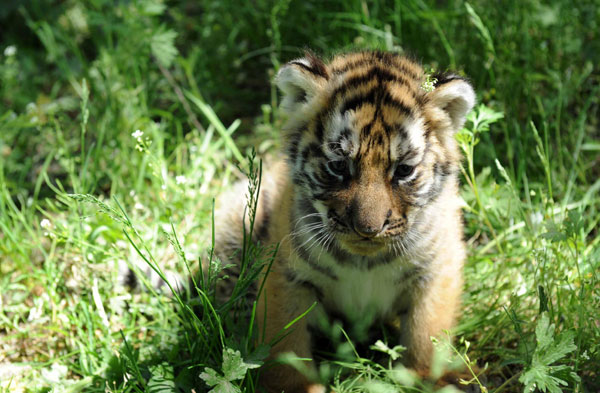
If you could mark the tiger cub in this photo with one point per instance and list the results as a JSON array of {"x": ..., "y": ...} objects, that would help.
[{"x": 365, "y": 206}]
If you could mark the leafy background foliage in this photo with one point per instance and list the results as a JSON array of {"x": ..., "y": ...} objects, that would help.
[{"x": 81, "y": 198}]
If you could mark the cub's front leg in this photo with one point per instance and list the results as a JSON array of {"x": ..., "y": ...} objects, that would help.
[
  {"x": 434, "y": 309},
  {"x": 280, "y": 303}
]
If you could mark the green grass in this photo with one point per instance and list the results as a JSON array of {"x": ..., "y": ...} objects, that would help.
[{"x": 80, "y": 197}]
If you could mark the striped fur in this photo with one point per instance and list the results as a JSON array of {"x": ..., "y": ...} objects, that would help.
[{"x": 365, "y": 207}]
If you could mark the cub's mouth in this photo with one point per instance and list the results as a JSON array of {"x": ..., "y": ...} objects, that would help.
[{"x": 360, "y": 245}]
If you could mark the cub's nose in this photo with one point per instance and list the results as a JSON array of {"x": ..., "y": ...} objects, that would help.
[{"x": 366, "y": 230}]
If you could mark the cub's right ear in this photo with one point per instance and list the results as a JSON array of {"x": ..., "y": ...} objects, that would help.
[{"x": 300, "y": 80}]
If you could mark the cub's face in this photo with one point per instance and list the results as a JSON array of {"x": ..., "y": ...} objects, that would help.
[{"x": 369, "y": 148}]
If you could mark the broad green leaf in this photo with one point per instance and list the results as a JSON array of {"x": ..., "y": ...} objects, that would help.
[
  {"x": 543, "y": 333},
  {"x": 553, "y": 234},
  {"x": 163, "y": 47},
  {"x": 482, "y": 117},
  {"x": 153, "y": 7},
  {"x": 540, "y": 374},
  {"x": 538, "y": 377},
  {"x": 211, "y": 377},
  {"x": 162, "y": 379},
  {"x": 225, "y": 387},
  {"x": 234, "y": 366},
  {"x": 219, "y": 383},
  {"x": 563, "y": 344},
  {"x": 574, "y": 223}
]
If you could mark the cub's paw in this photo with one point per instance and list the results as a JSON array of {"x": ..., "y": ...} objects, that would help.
[
  {"x": 455, "y": 378},
  {"x": 310, "y": 388},
  {"x": 316, "y": 388}
]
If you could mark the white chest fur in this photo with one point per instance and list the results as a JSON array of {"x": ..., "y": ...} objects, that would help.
[{"x": 358, "y": 293}]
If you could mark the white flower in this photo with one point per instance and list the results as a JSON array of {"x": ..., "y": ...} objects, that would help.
[
  {"x": 429, "y": 85},
  {"x": 36, "y": 312},
  {"x": 137, "y": 134},
  {"x": 10, "y": 50},
  {"x": 138, "y": 206},
  {"x": 56, "y": 373},
  {"x": 180, "y": 179},
  {"x": 46, "y": 224},
  {"x": 536, "y": 218}
]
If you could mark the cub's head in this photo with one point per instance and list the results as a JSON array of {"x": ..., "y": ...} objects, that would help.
[{"x": 369, "y": 148}]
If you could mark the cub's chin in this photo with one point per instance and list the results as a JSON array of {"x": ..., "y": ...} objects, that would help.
[{"x": 362, "y": 246}]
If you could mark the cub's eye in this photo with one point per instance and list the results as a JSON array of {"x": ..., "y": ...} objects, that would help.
[
  {"x": 339, "y": 167},
  {"x": 403, "y": 171}
]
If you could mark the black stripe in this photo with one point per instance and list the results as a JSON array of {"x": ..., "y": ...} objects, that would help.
[
  {"x": 445, "y": 77},
  {"x": 396, "y": 225},
  {"x": 360, "y": 99},
  {"x": 319, "y": 127},
  {"x": 327, "y": 182},
  {"x": 365, "y": 131},
  {"x": 317, "y": 64},
  {"x": 443, "y": 169},
  {"x": 311, "y": 150},
  {"x": 318, "y": 71},
  {"x": 441, "y": 173},
  {"x": 384, "y": 75},
  {"x": 422, "y": 99},
  {"x": 293, "y": 278},
  {"x": 389, "y": 59},
  {"x": 322, "y": 196},
  {"x": 350, "y": 65},
  {"x": 395, "y": 103},
  {"x": 379, "y": 140},
  {"x": 324, "y": 176},
  {"x": 407, "y": 156},
  {"x": 346, "y": 133},
  {"x": 428, "y": 128},
  {"x": 375, "y": 72},
  {"x": 300, "y": 96},
  {"x": 406, "y": 71},
  {"x": 293, "y": 145},
  {"x": 412, "y": 182},
  {"x": 410, "y": 275}
]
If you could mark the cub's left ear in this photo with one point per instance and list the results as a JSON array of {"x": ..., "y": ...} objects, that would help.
[
  {"x": 300, "y": 80},
  {"x": 455, "y": 96}
]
